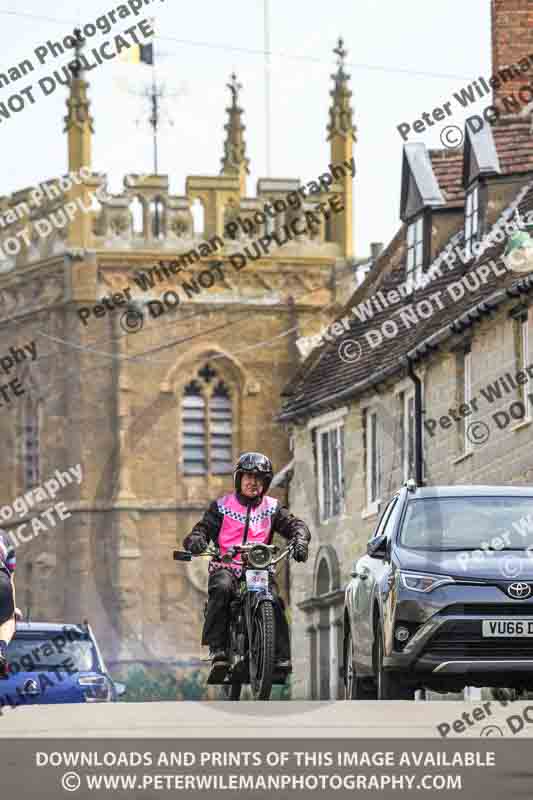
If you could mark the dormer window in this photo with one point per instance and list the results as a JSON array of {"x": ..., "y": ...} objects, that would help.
[
  {"x": 472, "y": 217},
  {"x": 415, "y": 249},
  {"x": 420, "y": 198}
]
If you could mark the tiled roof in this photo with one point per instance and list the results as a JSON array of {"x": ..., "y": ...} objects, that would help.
[
  {"x": 331, "y": 377},
  {"x": 448, "y": 168},
  {"x": 394, "y": 251},
  {"x": 514, "y": 143}
]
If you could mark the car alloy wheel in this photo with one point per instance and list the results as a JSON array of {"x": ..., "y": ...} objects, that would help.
[{"x": 355, "y": 687}]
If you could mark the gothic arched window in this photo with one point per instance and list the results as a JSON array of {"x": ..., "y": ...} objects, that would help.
[
  {"x": 207, "y": 425},
  {"x": 31, "y": 455}
]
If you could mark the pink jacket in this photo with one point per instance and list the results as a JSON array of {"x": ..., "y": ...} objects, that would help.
[{"x": 234, "y": 521}]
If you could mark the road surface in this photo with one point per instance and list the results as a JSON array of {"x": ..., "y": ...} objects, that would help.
[{"x": 187, "y": 720}]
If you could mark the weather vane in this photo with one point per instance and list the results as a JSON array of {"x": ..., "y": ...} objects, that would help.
[
  {"x": 157, "y": 96},
  {"x": 234, "y": 88},
  {"x": 341, "y": 52},
  {"x": 76, "y": 66}
]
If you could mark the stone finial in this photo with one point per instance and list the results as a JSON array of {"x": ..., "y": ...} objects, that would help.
[
  {"x": 234, "y": 161},
  {"x": 341, "y": 52},
  {"x": 340, "y": 113},
  {"x": 78, "y": 103},
  {"x": 78, "y": 120}
]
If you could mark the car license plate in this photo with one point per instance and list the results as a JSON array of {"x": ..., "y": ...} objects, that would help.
[
  {"x": 257, "y": 580},
  {"x": 507, "y": 628}
]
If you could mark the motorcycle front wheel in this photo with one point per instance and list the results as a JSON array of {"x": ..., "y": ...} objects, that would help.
[{"x": 262, "y": 651}]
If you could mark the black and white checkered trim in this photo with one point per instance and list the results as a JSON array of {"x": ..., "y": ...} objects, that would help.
[
  {"x": 227, "y": 512},
  {"x": 214, "y": 566},
  {"x": 263, "y": 514},
  {"x": 236, "y": 515}
]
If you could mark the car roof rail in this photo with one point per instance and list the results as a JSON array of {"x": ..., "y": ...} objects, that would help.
[{"x": 411, "y": 485}]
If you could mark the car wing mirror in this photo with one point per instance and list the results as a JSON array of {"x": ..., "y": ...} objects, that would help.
[
  {"x": 377, "y": 548},
  {"x": 120, "y": 688}
]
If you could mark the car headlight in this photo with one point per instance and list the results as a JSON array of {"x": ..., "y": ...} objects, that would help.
[
  {"x": 97, "y": 689},
  {"x": 423, "y": 581}
]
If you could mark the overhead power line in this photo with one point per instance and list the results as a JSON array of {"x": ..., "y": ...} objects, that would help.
[{"x": 260, "y": 52}]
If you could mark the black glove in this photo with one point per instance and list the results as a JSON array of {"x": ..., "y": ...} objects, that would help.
[
  {"x": 300, "y": 547},
  {"x": 195, "y": 543}
]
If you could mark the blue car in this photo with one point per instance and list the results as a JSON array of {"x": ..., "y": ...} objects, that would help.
[{"x": 53, "y": 663}]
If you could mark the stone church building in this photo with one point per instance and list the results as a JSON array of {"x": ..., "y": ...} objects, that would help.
[{"x": 156, "y": 407}]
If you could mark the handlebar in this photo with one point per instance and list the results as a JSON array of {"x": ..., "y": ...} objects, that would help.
[
  {"x": 289, "y": 549},
  {"x": 186, "y": 555},
  {"x": 182, "y": 555}
]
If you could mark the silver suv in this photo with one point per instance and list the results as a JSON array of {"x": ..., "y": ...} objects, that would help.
[{"x": 443, "y": 599}]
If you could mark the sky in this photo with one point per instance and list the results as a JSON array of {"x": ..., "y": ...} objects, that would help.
[{"x": 403, "y": 58}]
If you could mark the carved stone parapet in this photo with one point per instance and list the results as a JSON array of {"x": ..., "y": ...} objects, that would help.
[
  {"x": 30, "y": 295},
  {"x": 114, "y": 220}
]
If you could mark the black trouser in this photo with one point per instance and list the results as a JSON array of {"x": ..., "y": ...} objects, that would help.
[{"x": 222, "y": 589}]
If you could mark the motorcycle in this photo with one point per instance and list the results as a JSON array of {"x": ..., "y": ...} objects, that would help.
[{"x": 252, "y": 621}]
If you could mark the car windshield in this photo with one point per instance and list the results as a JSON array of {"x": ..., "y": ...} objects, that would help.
[
  {"x": 466, "y": 523},
  {"x": 39, "y": 653}
]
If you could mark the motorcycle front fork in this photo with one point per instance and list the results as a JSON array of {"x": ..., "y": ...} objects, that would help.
[
  {"x": 241, "y": 625},
  {"x": 238, "y": 630}
]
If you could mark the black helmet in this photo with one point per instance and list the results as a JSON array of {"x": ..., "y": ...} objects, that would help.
[{"x": 253, "y": 462}]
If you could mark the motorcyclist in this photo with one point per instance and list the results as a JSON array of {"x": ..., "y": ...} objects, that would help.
[
  {"x": 246, "y": 515},
  {"x": 7, "y": 599}
]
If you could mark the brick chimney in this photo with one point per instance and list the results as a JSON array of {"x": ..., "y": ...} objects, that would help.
[{"x": 512, "y": 43}]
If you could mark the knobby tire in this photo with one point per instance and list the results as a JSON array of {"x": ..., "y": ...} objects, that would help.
[{"x": 263, "y": 651}]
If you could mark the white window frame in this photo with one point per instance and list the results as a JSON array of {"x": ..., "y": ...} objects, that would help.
[
  {"x": 467, "y": 397},
  {"x": 414, "y": 264},
  {"x": 325, "y": 419},
  {"x": 406, "y": 387},
  {"x": 472, "y": 216},
  {"x": 525, "y": 388},
  {"x": 372, "y": 505},
  {"x": 334, "y": 425}
]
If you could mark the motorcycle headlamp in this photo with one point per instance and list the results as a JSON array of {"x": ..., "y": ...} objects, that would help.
[{"x": 259, "y": 556}]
